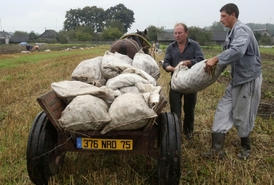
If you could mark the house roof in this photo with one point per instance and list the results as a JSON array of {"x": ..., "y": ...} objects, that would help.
[
  {"x": 4, "y": 34},
  {"x": 49, "y": 34},
  {"x": 19, "y": 38},
  {"x": 218, "y": 35},
  {"x": 165, "y": 36},
  {"x": 262, "y": 31}
]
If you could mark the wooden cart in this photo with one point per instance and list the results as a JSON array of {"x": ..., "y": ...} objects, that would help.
[{"x": 48, "y": 143}]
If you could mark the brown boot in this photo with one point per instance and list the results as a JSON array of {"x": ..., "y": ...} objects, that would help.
[
  {"x": 216, "y": 150},
  {"x": 246, "y": 148}
]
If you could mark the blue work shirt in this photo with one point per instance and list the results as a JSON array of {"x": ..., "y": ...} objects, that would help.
[{"x": 192, "y": 52}]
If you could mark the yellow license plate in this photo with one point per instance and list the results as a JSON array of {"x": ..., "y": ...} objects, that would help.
[{"x": 105, "y": 144}]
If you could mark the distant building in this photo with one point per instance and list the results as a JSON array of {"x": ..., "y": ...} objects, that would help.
[
  {"x": 262, "y": 32},
  {"x": 49, "y": 36},
  {"x": 218, "y": 37},
  {"x": 165, "y": 37},
  {"x": 4, "y": 37},
  {"x": 19, "y": 38}
]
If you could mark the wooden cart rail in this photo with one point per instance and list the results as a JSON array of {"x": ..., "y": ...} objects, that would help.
[{"x": 53, "y": 107}]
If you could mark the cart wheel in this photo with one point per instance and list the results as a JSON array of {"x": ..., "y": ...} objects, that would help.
[
  {"x": 169, "y": 164},
  {"x": 40, "y": 155}
]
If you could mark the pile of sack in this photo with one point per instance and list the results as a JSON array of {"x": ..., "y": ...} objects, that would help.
[{"x": 110, "y": 92}]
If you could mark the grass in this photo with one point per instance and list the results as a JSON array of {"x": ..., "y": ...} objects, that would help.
[
  {"x": 13, "y": 60},
  {"x": 22, "y": 82}
]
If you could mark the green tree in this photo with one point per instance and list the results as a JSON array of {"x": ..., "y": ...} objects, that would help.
[
  {"x": 99, "y": 19},
  {"x": 20, "y": 33},
  {"x": 88, "y": 16},
  {"x": 71, "y": 35},
  {"x": 217, "y": 26},
  {"x": 82, "y": 36},
  {"x": 73, "y": 19},
  {"x": 63, "y": 37},
  {"x": 200, "y": 35},
  {"x": 115, "y": 24},
  {"x": 33, "y": 36},
  {"x": 84, "y": 33},
  {"x": 254, "y": 26},
  {"x": 265, "y": 40},
  {"x": 122, "y": 14},
  {"x": 111, "y": 34},
  {"x": 93, "y": 17},
  {"x": 152, "y": 32},
  {"x": 257, "y": 36}
]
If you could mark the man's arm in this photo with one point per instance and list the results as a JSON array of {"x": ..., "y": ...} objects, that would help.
[
  {"x": 199, "y": 56},
  {"x": 170, "y": 69},
  {"x": 167, "y": 66}
]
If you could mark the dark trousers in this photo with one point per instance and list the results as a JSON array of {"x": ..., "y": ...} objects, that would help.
[{"x": 175, "y": 100}]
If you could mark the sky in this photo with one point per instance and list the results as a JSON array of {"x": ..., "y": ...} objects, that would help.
[{"x": 39, "y": 15}]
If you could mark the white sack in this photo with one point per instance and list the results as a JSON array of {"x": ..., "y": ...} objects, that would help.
[
  {"x": 125, "y": 58},
  {"x": 141, "y": 73},
  {"x": 147, "y": 63},
  {"x": 151, "y": 93},
  {"x": 125, "y": 80},
  {"x": 85, "y": 112},
  {"x": 67, "y": 89},
  {"x": 194, "y": 79},
  {"x": 89, "y": 71},
  {"x": 129, "y": 89},
  {"x": 113, "y": 64},
  {"x": 129, "y": 111}
]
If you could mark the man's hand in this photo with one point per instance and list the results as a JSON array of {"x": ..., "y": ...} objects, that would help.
[
  {"x": 186, "y": 63},
  {"x": 210, "y": 64}
]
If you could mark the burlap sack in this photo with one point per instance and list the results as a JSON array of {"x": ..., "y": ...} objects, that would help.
[
  {"x": 141, "y": 73},
  {"x": 125, "y": 58},
  {"x": 68, "y": 89},
  {"x": 114, "y": 64},
  {"x": 146, "y": 63},
  {"x": 151, "y": 93},
  {"x": 190, "y": 80},
  {"x": 129, "y": 111},
  {"x": 125, "y": 80},
  {"x": 85, "y": 112},
  {"x": 129, "y": 89},
  {"x": 89, "y": 71}
]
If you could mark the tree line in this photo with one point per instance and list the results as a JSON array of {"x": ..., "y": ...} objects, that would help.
[{"x": 92, "y": 23}]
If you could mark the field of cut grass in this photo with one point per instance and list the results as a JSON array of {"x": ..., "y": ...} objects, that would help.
[{"x": 24, "y": 77}]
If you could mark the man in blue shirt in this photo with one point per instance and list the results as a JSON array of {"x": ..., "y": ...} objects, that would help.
[
  {"x": 188, "y": 52},
  {"x": 240, "y": 102}
]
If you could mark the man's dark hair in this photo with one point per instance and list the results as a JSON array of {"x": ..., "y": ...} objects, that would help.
[{"x": 230, "y": 8}]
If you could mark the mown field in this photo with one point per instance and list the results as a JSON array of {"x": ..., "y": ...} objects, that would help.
[{"x": 24, "y": 77}]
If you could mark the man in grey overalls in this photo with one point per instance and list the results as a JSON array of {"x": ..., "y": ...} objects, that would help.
[{"x": 239, "y": 104}]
